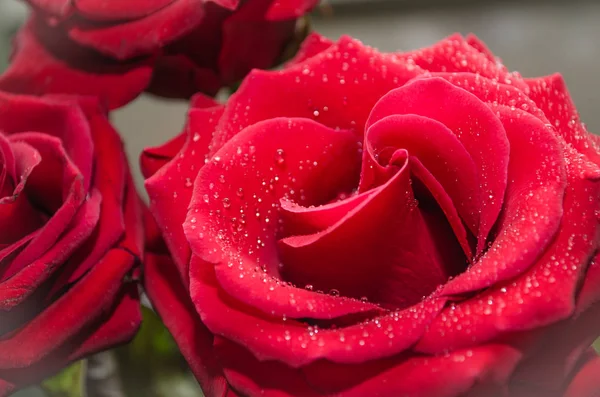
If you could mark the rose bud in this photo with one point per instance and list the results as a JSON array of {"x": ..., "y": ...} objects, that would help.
[
  {"x": 70, "y": 236},
  {"x": 381, "y": 224},
  {"x": 116, "y": 49}
]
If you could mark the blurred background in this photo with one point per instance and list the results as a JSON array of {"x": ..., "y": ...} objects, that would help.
[{"x": 534, "y": 37}]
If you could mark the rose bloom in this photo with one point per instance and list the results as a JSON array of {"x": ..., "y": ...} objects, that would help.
[
  {"x": 70, "y": 236},
  {"x": 368, "y": 224},
  {"x": 116, "y": 49}
]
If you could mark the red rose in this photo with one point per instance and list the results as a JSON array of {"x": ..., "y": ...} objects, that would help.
[
  {"x": 115, "y": 49},
  {"x": 69, "y": 236},
  {"x": 367, "y": 224}
]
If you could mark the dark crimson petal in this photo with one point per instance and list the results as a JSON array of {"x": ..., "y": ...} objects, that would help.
[
  {"x": 170, "y": 188},
  {"x": 40, "y": 185},
  {"x": 232, "y": 220},
  {"x": 170, "y": 299},
  {"x": 141, "y": 36},
  {"x": 120, "y": 325},
  {"x": 82, "y": 304},
  {"x": 289, "y": 9},
  {"x": 338, "y": 87},
  {"x": 26, "y": 158},
  {"x": 455, "y": 54},
  {"x": 109, "y": 179},
  {"x": 474, "y": 124},
  {"x": 117, "y": 325},
  {"x": 546, "y": 292},
  {"x": 312, "y": 45},
  {"x": 177, "y": 76},
  {"x": 228, "y": 4},
  {"x": 115, "y": 10},
  {"x": 45, "y": 62},
  {"x": 53, "y": 118},
  {"x": 250, "y": 41},
  {"x": 59, "y": 8},
  {"x": 16, "y": 212},
  {"x": 22, "y": 277},
  {"x": 586, "y": 382},
  {"x": 533, "y": 207},
  {"x": 552, "y": 97},
  {"x": 8, "y": 174},
  {"x": 374, "y": 251},
  {"x": 296, "y": 344}
]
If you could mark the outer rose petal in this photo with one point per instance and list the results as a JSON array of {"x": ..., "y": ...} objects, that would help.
[
  {"x": 296, "y": 344},
  {"x": 311, "y": 46},
  {"x": 170, "y": 299},
  {"x": 325, "y": 88},
  {"x": 552, "y": 97},
  {"x": 83, "y": 303},
  {"x": 130, "y": 39},
  {"x": 112, "y": 10},
  {"x": 170, "y": 197},
  {"x": 288, "y": 9},
  {"x": 117, "y": 325},
  {"x": 45, "y": 62}
]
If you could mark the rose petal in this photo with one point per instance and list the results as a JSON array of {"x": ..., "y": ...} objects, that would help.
[
  {"x": 141, "y": 36},
  {"x": 552, "y": 97},
  {"x": 546, "y": 293},
  {"x": 170, "y": 188},
  {"x": 45, "y": 62},
  {"x": 455, "y": 54},
  {"x": 533, "y": 207},
  {"x": 455, "y": 188},
  {"x": 115, "y": 10},
  {"x": 474, "y": 124},
  {"x": 289, "y": 9},
  {"x": 337, "y": 87},
  {"x": 233, "y": 217},
  {"x": 375, "y": 251},
  {"x": 312, "y": 45},
  {"x": 296, "y": 344},
  {"x": 22, "y": 278},
  {"x": 82, "y": 304},
  {"x": 169, "y": 297}
]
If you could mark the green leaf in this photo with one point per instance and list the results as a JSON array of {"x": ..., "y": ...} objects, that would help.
[
  {"x": 70, "y": 382},
  {"x": 152, "y": 365}
]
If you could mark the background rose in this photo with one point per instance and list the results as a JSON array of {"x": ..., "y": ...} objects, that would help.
[
  {"x": 69, "y": 236},
  {"x": 115, "y": 49},
  {"x": 449, "y": 207}
]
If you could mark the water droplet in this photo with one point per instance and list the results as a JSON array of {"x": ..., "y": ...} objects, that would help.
[
  {"x": 196, "y": 137},
  {"x": 334, "y": 292},
  {"x": 280, "y": 157},
  {"x": 188, "y": 182},
  {"x": 226, "y": 203},
  {"x": 240, "y": 192}
]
